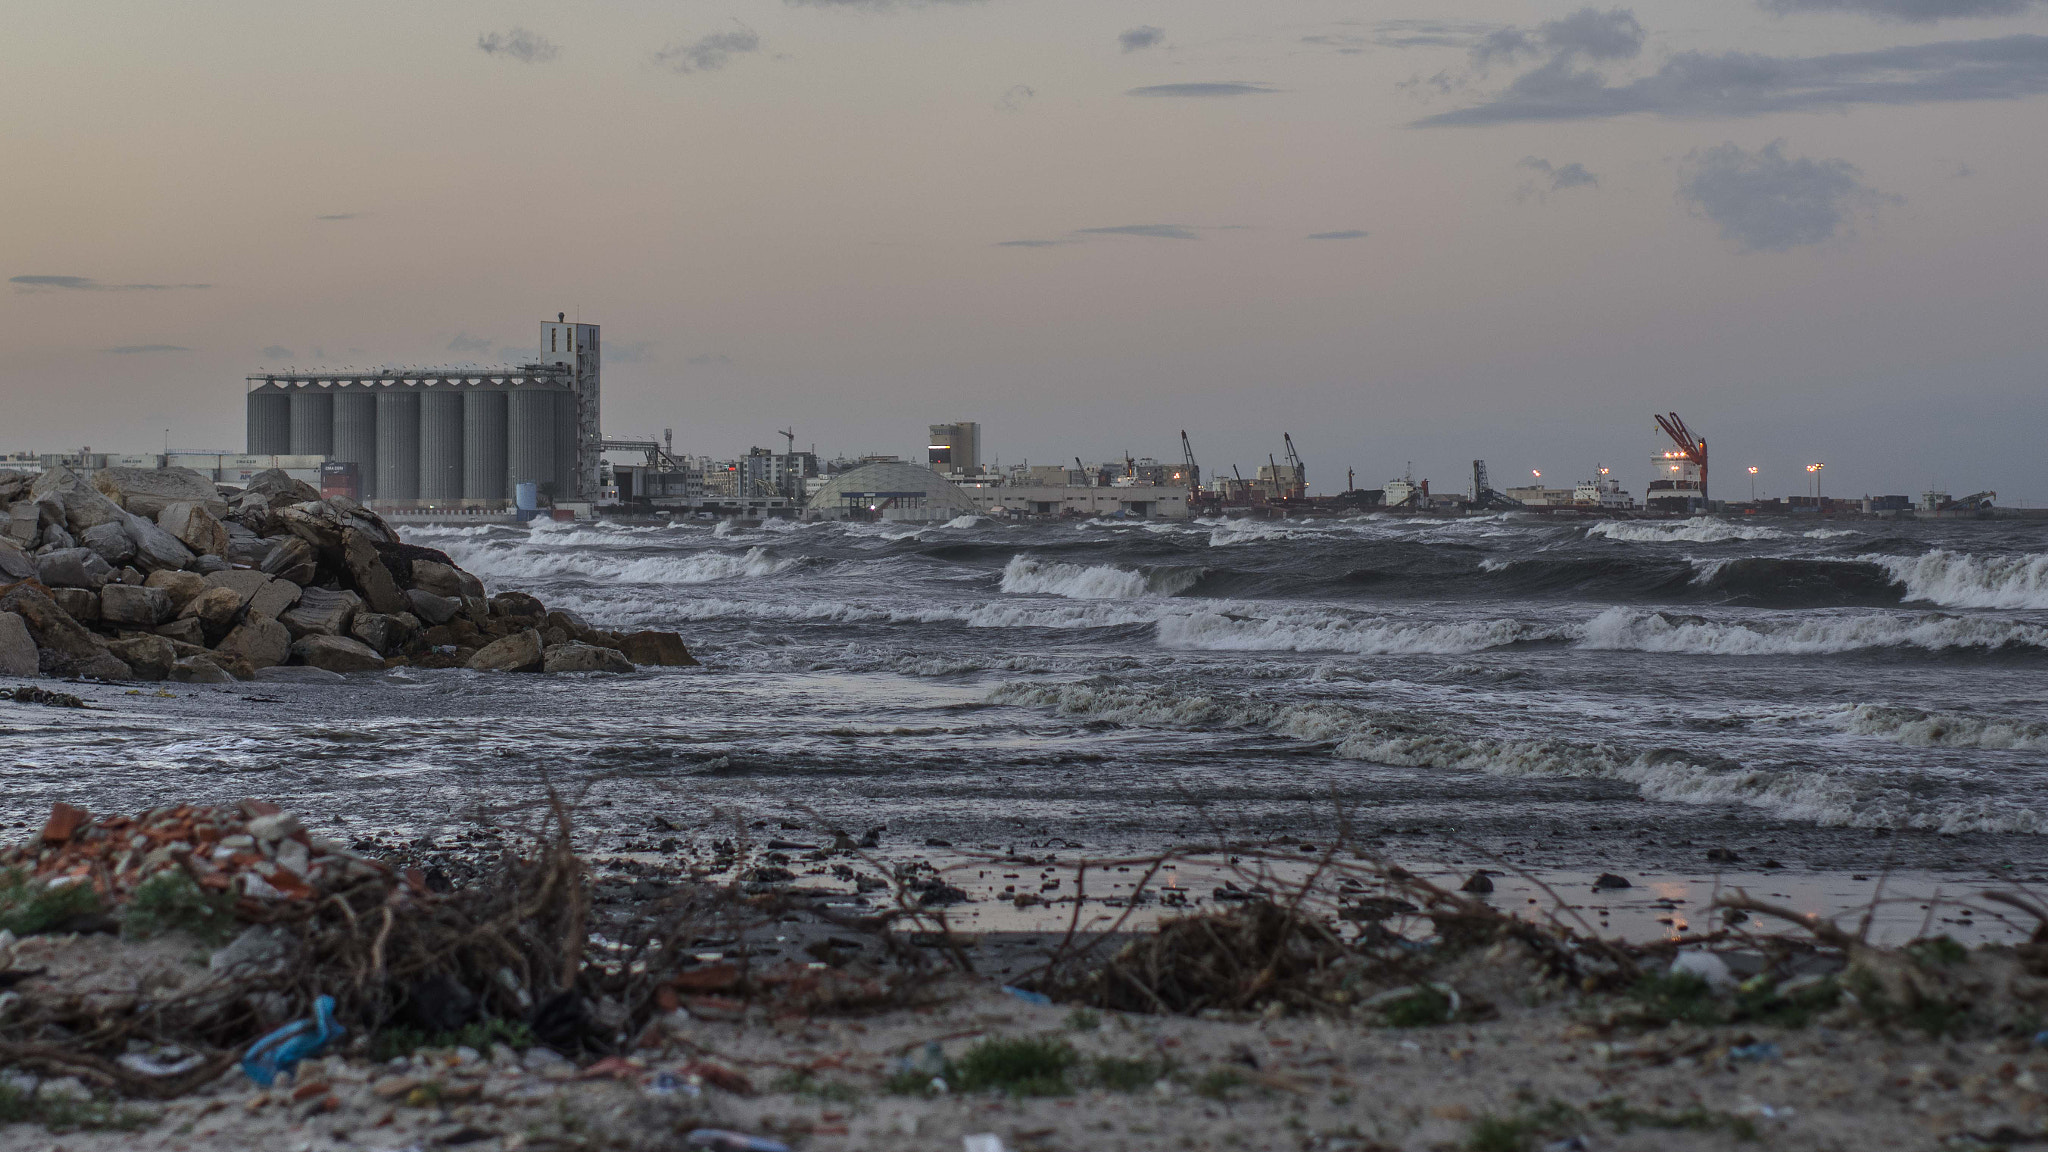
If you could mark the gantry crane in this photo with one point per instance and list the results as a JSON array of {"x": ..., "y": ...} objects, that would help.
[{"x": 1688, "y": 447}]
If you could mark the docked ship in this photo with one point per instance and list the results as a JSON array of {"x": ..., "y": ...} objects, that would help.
[{"x": 1680, "y": 481}]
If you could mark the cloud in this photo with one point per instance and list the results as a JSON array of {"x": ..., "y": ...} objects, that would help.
[
  {"x": 519, "y": 44},
  {"x": 342, "y": 216},
  {"x": 1034, "y": 243},
  {"x": 1014, "y": 97},
  {"x": 1205, "y": 88},
  {"x": 1558, "y": 177},
  {"x": 131, "y": 349},
  {"x": 710, "y": 53},
  {"x": 1746, "y": 84},
  {"x": 1916, "y": 11},
  {"x": 1345, "y": 43},
  {"x": 1143, "y": 36},
  {"x": 88, "y": 284},
  {"x": 1766, "y": 201},
  {"x": 467, "y": 343},
  {"x": 275, "y": 352},
  {"x": 1431, "y": 33},
  {"x": 703, "y": 359},
  {"x": 1155, "y": 231},
  {"x": 1347, "y": 234},
  {"x": 1590, "y": 33}
]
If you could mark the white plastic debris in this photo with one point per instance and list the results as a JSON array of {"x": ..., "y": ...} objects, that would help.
[
  {"x": 981, "y": 1142},
  {"x": 1706, "y": 966}
]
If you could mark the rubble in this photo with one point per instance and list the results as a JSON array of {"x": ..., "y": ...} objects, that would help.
[{"x": 131, "y": 574}]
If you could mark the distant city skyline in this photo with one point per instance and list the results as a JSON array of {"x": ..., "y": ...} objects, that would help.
[{"x": 1400, "y": 232}]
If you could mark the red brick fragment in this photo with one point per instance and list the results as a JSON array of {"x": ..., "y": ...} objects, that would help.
[{"x": 64, "y": 821}]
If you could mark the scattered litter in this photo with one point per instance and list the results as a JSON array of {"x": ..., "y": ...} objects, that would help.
[
  {"x": 1029, "y": 997},
  {"x": 981, "y": 1142},
  {"x": 1706, "y": 966},
  {"x": 721, "y": 1140},
  {"x": 1764, "y": 1052},
  {"x": 157, "y": 1065},
  {"x": 282, "y": 1050}
]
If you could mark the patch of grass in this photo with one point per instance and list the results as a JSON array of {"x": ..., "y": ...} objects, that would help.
[
  {"x": 1796, "y": 1008},
  {"x": 171, "y": 901},
  {"x": 1121, "y": 1075},
  {"x": 1021, "y": 1066},
  {"x": 482, "y": 1035},
  {"x": 1623, "y": 1116},
  {"x": 1940, "y": 951},
  {"x": 27, "y": 907},
  {"x": 68, "y": 1113},
  {"x": 804, "y": 1082},
  {"x": 1084, "y": 1020},
  {"x": 1421, "y": 1008},
  {"x": 1668, "y": 996},
  {"x": 1218, "y": 1083},
  {"x": 1937, "y": 1018}
]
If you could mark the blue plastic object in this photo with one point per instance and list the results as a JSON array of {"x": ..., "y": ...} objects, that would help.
[
  {"x": 722, "y": 1140},
  {"x": 282, "y": 1050},
  {"x": 1028, "y": 996}
]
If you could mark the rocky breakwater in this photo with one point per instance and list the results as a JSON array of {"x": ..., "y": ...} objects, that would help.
[{"x": 138, "y": 574}]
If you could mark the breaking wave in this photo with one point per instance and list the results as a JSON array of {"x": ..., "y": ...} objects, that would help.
[
  {"x": 1629, "y": 630},
  {"x": 1225, "y": 632},
  {"x": 1920, "y": 729},
  {"x": 1698, "y": 530},
  {"x": 1964, "y": 580},
  {"x": 1031, "y": 575},
  {"x": 501, "y": 564}
]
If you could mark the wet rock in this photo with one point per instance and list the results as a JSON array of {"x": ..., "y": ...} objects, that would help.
[
  {"x": 195, "y": 527},
  {"x": 73, "y": 568},
  {"x": 216, "y": 609},
  {"x": 155, "y": 548},
  {"x": 148, "y": 491},
  {"x": 181, "y": 587},
  {"x": 291, "y": 559},
  {"x": 518, "y": 606},
  {"x": 1724, "y": 856},
  {"x": 263, "y": 643},
  {"x": 199, "y": 670},
  {"x": 127, "y": 606},
  {"x": 321, "y": 612},
  {"x": 578, "y": 657},
  {"x": 17, "y": 647},
  {"x": 63, "y": 646},
  {"x": 662, "y": 648},
  {"x": 520, "y": 652},
  {"x": 1478, "y": 882},
  {"x": 337, "y": 654},
  {"x": 273, "y": 488},
  {"x": 373, "y": 579},
  {"x": 437, "y": 578},
  {"x": 1610, "y": 880},
  {"x": 431, "y": 606},
  {"x": 81, "y": 604},
  {"x": 381, "y": 632},
  {"x": 15, "y": 564},
  {"x": 148, "y": 657},
  {"x": 110, "y": 542}
]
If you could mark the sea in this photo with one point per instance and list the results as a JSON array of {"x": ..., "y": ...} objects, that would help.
[{"x": 1648, "y": 697}]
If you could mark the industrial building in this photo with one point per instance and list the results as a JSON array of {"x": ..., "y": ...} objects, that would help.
[
  {"x": 1150, "y": 501},
  {"x": 955, "y": 449},
  {"x": 890, "y": 490},
  {"x": 447, "y": 437}
]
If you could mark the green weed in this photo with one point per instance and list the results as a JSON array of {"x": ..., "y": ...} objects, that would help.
[
  {"x": 1623, "y": 1116},
  {"x": 1419, "y": 1009},
  {"x": 1218, "y": 1083},
  {"x": 804, "y": 1082},
  {"x": 68, "y": 1113},
  {"x": 1668, "y": 996},
  {"x": 1023, "y": 1066},
  {"x": 27, "y": 907},
  {"x": 1084, "y": 1020},
  {"x": 1121, "y": 1075},
  {"x": 170, "y": 901}
]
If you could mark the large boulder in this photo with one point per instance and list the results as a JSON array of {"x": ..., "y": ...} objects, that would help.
[
  {"x": 110, "y": 541},
  {"x": 148, "y": 491},
  {"x": 155, "y": 549},
  {"x": 184, "y": 630},
  {"x": 216, "y": 609},
  {"x": 337, "y": 654},
  {"x": 432, "y": 608},
  {"x": 15, "y": 564},
  {"x": 663, "y": 648},
  {"x": 316, "y": 523},
  {"x": 64, "y": 647},
  {"x": 578, "y": 657},
  {"x": 13, "y": 484},
  {"x": 322, "y": 612},
  {"x": 82, "y": 505},
  {"x": 17, "y": 647},
  {"x": 148, "y": 657},
  {"x": 437, "y": 578},
  {"x": 292, "y": 559},
  {"x": 519, "y": 652},
  {"x": 195, "y": 527},
  {"x": 24, "y": 523},
  {"x": 73, "y": 568},
  {"x": 274, "y": 488},
  {"x": 127, "y": 606},
  {"x": 246, "y": 549},
  {"x": 181, "y": 587},
  {"x": 262, "y": 595},
  {"x": 199, "y": 670},
  {"x": 81, "y": 604},
  {"x": 518, "y": 606},
  {"x": 263, "y": 643},
  {"x": 384, "y": 633},
  {"x": 371, "y": 575}
]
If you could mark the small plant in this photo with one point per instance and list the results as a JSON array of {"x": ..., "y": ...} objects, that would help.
[
  {"x": 1623, "y": 1116},
  {"x": 1419, "y": 1009},
  {"x": 909, "y": 1082},
  {"x": 1794, "y": 1008},
  {"x": 1084, "y": 1020},
  {"x": 1023, "y": 1066},
  {"x": 804, "y": 1082},
  {"x": 482, "y": 1035},
  {"x": 27, "y": 907},
  {"x": 1670, "y": 996},
  {"x": 1520, "y": 1133},
  {"x": 1122, "y": 1075},
  {"x": 68, "y": 1113},
  {"x": 172, "y": 901},
  {"x": 1941, "y": 951},
  {"x": 1218, "y": 1083}
]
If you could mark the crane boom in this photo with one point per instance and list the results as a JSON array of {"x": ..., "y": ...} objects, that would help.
[
  {"x": 1294, "y": 461},
  {"x": 1194, "y": 473},
  {"x": 1692, "y": 449}
]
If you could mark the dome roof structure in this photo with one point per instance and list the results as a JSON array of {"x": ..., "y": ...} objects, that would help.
[{"x": 890, "y": 490}]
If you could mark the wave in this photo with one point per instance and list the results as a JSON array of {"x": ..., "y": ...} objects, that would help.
[
  {"x": 1031, "y": 575},
  {"x": 1698, "y": 530},
  {"x": 1225, "y": 632},
  {"x": 1964, "y": 580},
  {"x": 524, "y": 563},
  {"x": 1629, "y": 630},
  {"x": 1921, "y": 729}
]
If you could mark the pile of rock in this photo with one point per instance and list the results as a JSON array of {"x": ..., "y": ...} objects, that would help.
[
  {"x": 129, "y": 573},
  {"x": 253, "y": 850}
]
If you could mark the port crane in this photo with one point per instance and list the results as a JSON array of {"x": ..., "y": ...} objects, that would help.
[
  {"x": 1300, "y": 488},
  {"x": 1483, "y": 494},
  {"x": 1688, "y": 447},
  {"x": 1191, "y": 473}
]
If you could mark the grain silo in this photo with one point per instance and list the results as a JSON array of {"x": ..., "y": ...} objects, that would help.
[
  {"x": 312, "y": 421},
  {"x": 355, "y": 435},
  {"x": 441, "y": 442},
  {"x": 270, "y": 422}
]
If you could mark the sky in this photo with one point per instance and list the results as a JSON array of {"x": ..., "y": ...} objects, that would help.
[{"x": 1404, "y": 232}]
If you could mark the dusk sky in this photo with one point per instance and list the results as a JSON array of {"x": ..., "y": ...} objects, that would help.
[{"x": 1401, "y": 231}]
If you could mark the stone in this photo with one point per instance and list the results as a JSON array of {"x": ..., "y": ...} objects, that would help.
[
  {"x": 1610, "y": 880},
  {"x": 131, "y": 576},
  {"x": 148, "y": 657},
  {"x": 17, "y": 647},
  {"x": 517, "y": 605},
  {"x": 55, "y": 537},
  {"x": 148, "y": 491},
  {"x": 379, "y": 631},
  {"x": 571, "y": 624},
  {"x": 263, "y": 643},
  {"x": 262, "y": 595},
  {"x": 186, "y": 630},
  {"x": 81, "y": 505},
  {"x": 24, "y": 522},
  {"x": 195, "y": 527},
  {"x": 292, "y": 559},
  {"x": 155, "y": 548},
  {"x": 205, "y": 565},
  {"x": 432, "y": 607},
  {"x": 199, "y": 670},
  {"x": 321, "y": 612},
  {"x": 181, "y": 587},
  {"x": 439, "y": 579},
  {"x": 299, "y": 674},
  {"x": 337, "y": 654},
  {"x": 274, "y": 488},
  {"x": 81, "y": 604},
  {"x": 15, "y": 564},
  {"x": 110, "y": 541},
  {"x": 579, "y": 657},
  {"x": 126, "y": 606},
  {"x": 236, "y": 667},
  {"x": 372, "y": 576},
  {"x": 663, "y": 648},
  {"x": 315, "y": 523},
  {"x": 73, "y": 568},
  {"x": 64, "y": 647},
  {"x": 519, "y": 652},
  {"x": 245, "y": 548},
  {"x": 216, "y": 609},
  {"x": 477, "y": 609}
]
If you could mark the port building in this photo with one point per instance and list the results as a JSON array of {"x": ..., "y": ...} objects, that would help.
[{"x": 890, "y": 490}]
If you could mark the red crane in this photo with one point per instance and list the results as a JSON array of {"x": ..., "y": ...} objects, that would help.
[{"x": 1691, "y": 449}]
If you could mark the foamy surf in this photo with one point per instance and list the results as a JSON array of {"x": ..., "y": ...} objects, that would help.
[{"x": 1030, "y": 575}]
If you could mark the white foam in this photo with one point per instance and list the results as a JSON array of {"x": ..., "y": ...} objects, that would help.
[
  {"x": 1220, "y": 632},
  {"x": 1031, "y": 575},
  {"x": 1698, "y": 530},
  {"x": 1921, "y": 729},
  {"x": 1804, "y": 634},
  {"x": 1966, "y": 580},
  {"x": 529, "y": 563}
]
